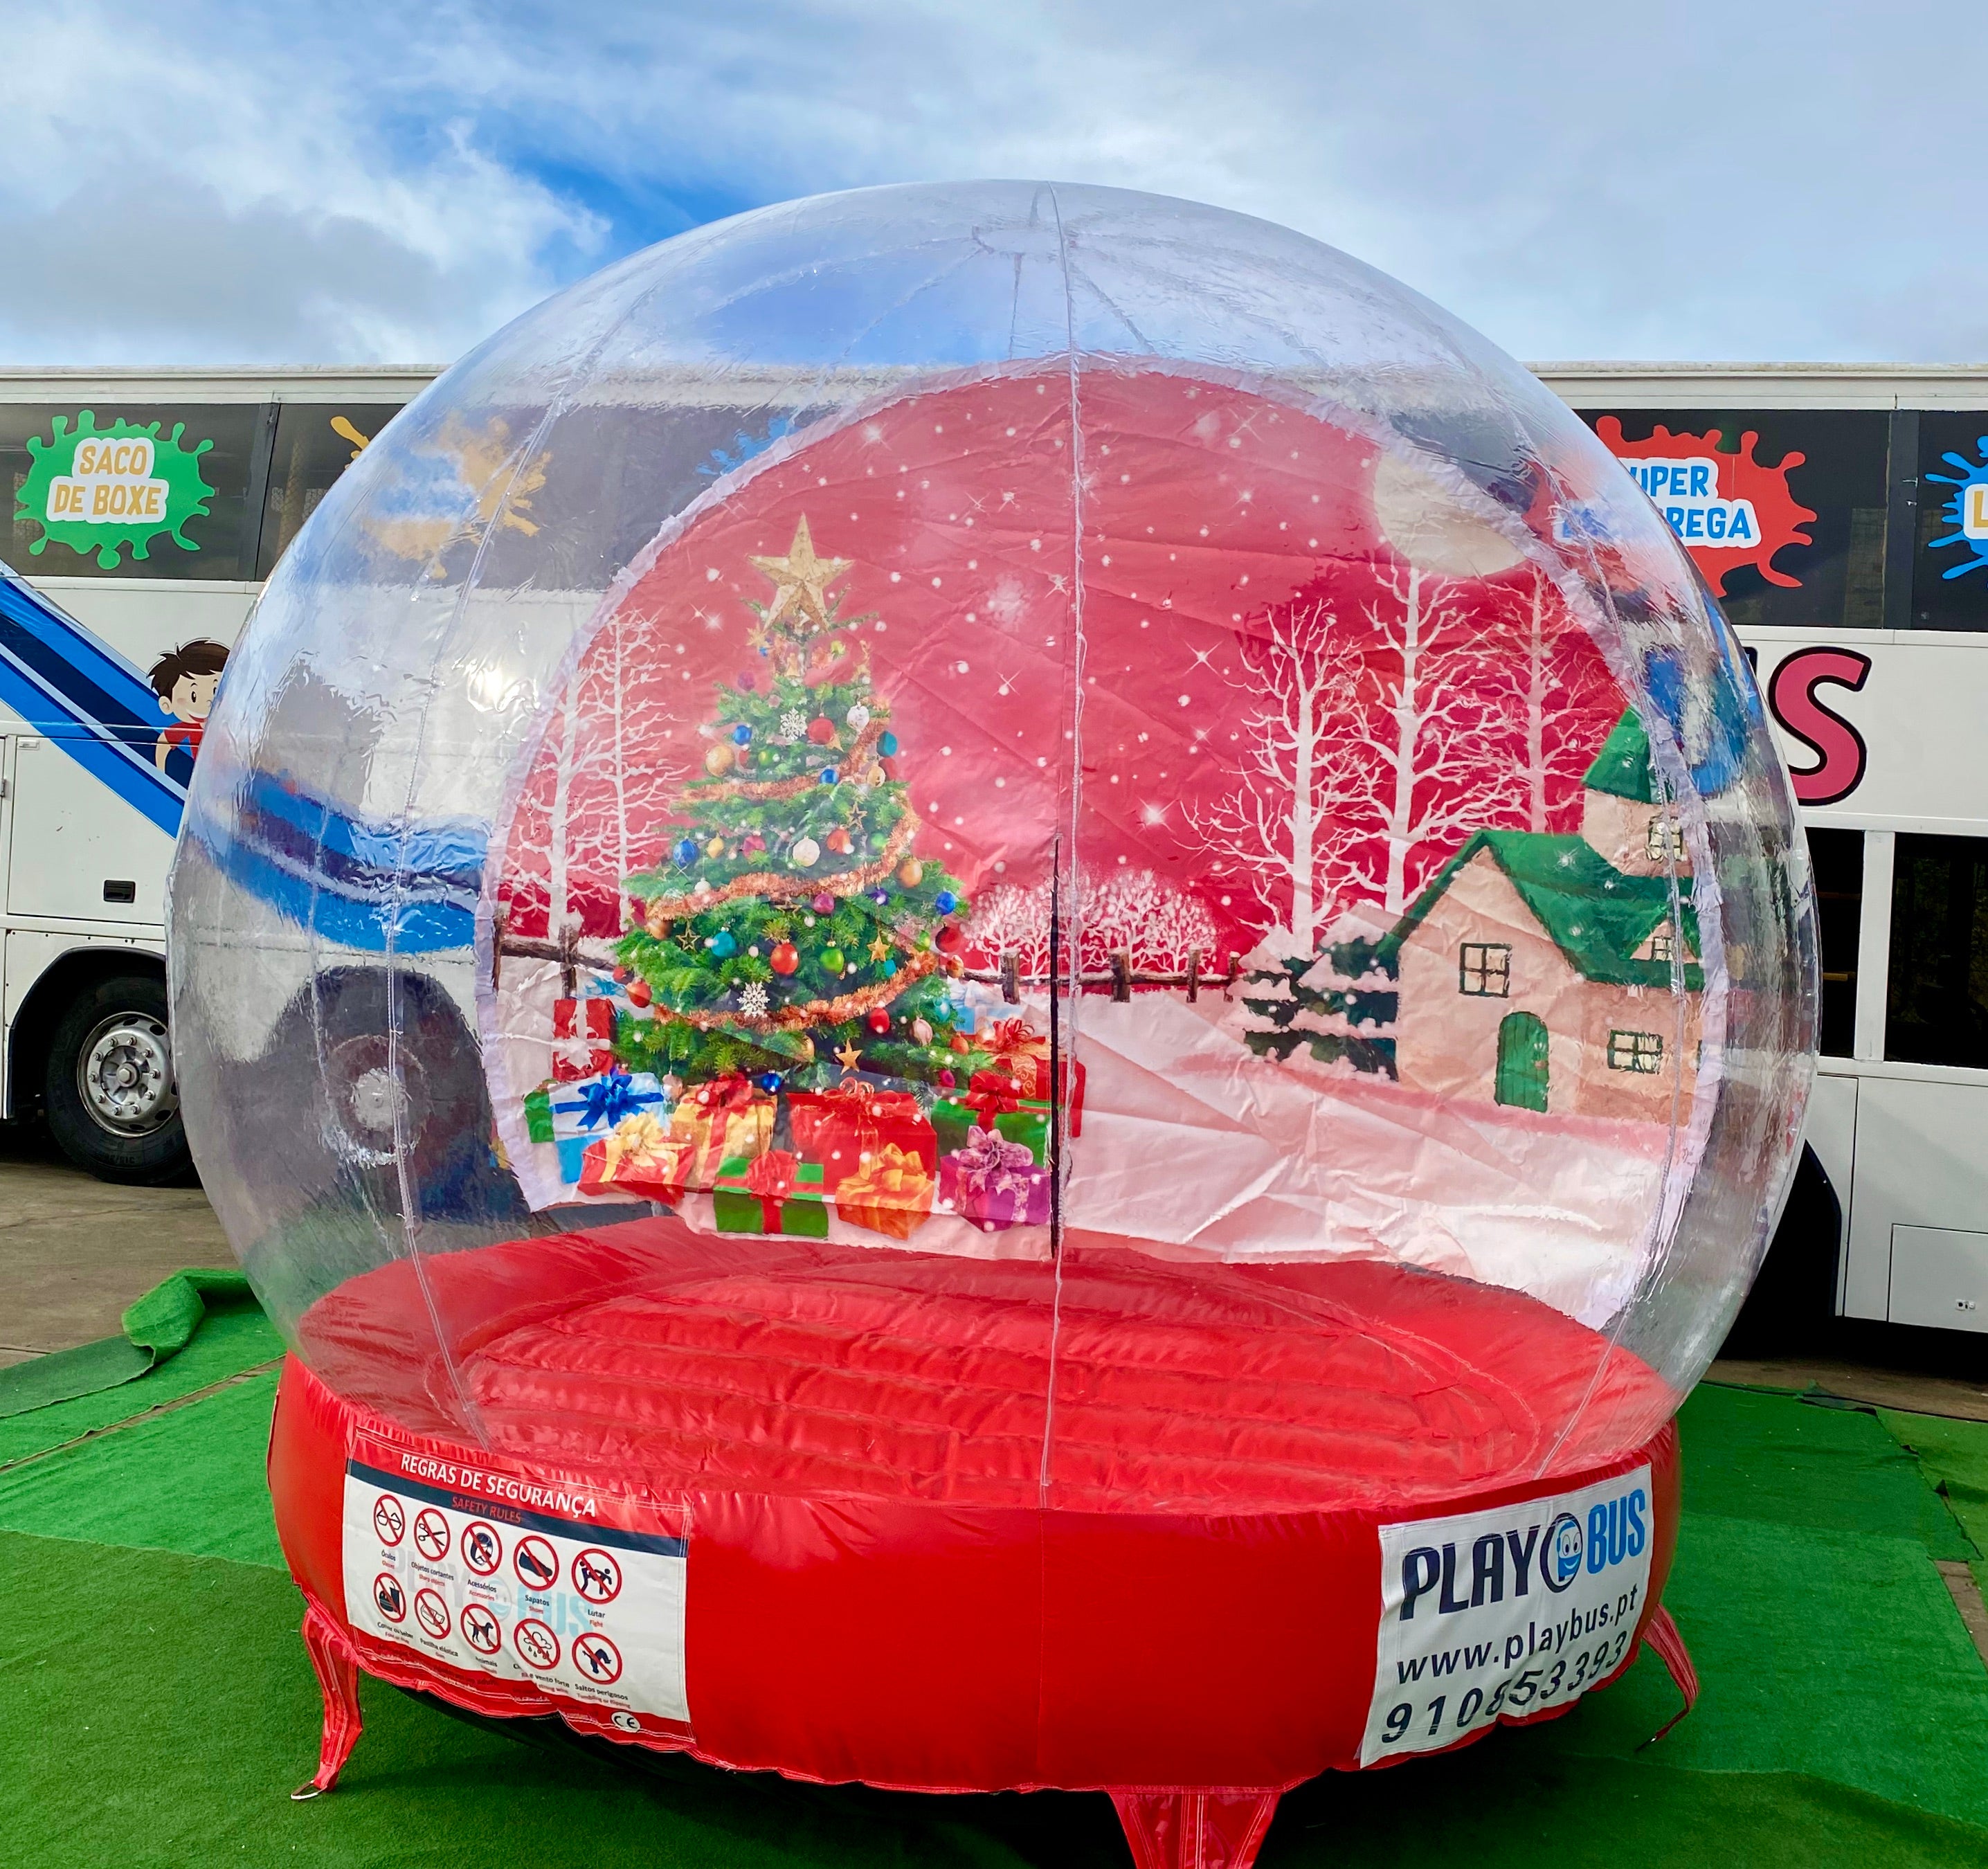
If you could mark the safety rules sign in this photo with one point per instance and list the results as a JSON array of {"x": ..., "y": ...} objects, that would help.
[
  {"x": 1512, "y": 1611},
  {"x": 577, "y": 1591}
]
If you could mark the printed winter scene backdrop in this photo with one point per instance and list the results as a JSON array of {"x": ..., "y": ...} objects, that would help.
[{"x": 1384, "y": 931}]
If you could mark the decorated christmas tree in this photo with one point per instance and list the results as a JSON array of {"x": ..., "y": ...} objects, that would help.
[{"x": 794, "y": 932}]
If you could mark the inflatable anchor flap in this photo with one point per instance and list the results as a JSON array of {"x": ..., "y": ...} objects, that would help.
[
  {"x": 337, "y": 1670},
  {"x": 1667, "y": 1644},
  {"x": 1194, "y": 1829}
]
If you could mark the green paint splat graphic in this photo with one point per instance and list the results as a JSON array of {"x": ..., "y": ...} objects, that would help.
[{"x": 101, "y": 489}]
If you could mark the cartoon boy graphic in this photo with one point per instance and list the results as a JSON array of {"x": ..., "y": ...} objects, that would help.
[{"x": 185, "y": 680}]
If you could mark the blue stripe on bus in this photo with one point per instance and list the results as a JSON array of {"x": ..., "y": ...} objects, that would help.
[{"x": 86, "y": 699}]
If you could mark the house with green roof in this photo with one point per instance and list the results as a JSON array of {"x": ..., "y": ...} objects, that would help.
[{"x": 1538, "y": 970}]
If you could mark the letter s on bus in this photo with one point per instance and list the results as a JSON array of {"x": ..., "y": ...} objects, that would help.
[{"x": 1839, "y": 747}]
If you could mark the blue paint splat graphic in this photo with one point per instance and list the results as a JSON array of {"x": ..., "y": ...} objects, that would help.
[
  {"x": 723, "y": 461},
  {"x": 1971, "y": 474}
]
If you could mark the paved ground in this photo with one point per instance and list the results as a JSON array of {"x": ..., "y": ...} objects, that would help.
[{"x": 75, "y": 1251}]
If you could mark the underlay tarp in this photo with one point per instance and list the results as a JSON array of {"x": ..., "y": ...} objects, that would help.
[
  {"x": 187, "y": 1308},
  {"x": 155, "y": 1707}
]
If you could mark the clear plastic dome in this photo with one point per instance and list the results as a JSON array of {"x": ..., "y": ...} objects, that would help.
[{"x": 1074, "y": 816}]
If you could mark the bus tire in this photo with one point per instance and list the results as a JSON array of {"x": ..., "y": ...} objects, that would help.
[{"x": 111, "y": 1104}]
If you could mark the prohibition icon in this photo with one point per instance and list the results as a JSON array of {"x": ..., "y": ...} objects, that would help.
[
  {"x": 536, "y": 1564},
  {"x": 431, "y": 1534},
  {"x": 599, "y": 1656},
  {"x": 480, "y": 1629},
  {"x": 431, "y": 1612},
  {"x": 536, "y": 1645},
  {"x": 482, "y": 1549},
  {"x": 597, "y": 1575},
  {"x": 388, "y": 1598},
  {"x": 388, "y": 1520}
]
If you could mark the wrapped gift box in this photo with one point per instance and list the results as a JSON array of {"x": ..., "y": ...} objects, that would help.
[
  {"x": 582, "y": 1039},
  {"x": 539, "y": 1112},
  {"x": 994, "y": 1183},
  {"x": 840, "y": 1128},
  {"x": 585, "y": 1110},
  {"x": 726, "y": 1117},
  {"x": 773, "y": 1193},
  {"x": 637, "y": 1159},
  {"x": 891, "y": 1193},
  {"x": 993, "y": 1101},
  {"x": 1021, "y": 1053}
]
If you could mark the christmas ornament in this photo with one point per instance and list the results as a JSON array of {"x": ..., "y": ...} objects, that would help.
[
  {"x": 684, "y": 852},
  {"x": 724, "y": 944},
  {"x": 823, "y": 903},
  {"x": 946, "y": 902},
  {"x": 948, "y": 937},
  {"x": 848, "y": 1057},
  {"x": 752, "y": 999},
  {"x": 911, "y": 873},
  {"x": 887, "y": 744},
  {"x": 880, "y": 896},
  {"x": 879, "y": 947},
  {"x": 793, "y": 724},
  {"x": 958, "y": 1042},
  {"x": 831, "y": 958},
  {"x": 879, "y": 1021},
  {"x": 837, "y": 841},
  {"x": 742, "y": 734},
  {"x": 821, "y": 730},
  {"x": 828, "y": 776},
  {"x": 769, "y": 1081},
  {"x": 747, "y": 681},
  {"x": 947, "y": 1080},
  {"x": 715, "y": 847},
  {"x": 858, "y": 717},
  {"x": 620, "y": 973},
  {"x": 640, "y": 993},
  {"x": 805, "y": 854},
  {"x": 718, "y": 760},
  {"x": 921, "y": 1031},
  {"x": 752, "y": 844},
  {"x": 785, "y": 958}
]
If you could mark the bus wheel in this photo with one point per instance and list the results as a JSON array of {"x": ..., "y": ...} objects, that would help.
[{"x": 113, "y": 1106}]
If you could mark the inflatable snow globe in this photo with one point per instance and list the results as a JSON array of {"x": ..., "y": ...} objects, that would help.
[{"x": 1000, "y": 983}]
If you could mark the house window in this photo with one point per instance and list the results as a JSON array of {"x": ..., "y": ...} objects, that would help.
[
  {"x": 1663, "y": 945},
  {"x": 1635, "y": 1051},
  {"x": 1484, "y": 970},
  {"x": 1663, "y": 840}
]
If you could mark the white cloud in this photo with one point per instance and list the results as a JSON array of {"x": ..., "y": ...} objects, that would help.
[{"x": 1769, "y": 180}]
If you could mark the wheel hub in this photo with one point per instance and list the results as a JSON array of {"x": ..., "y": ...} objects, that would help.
[{"x": 125, "y": 1074}]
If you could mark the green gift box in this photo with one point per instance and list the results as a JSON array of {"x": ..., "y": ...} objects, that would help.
[
  {"x": 539, "y": 1112},
  {"x": 801, "y": 1212},
  {"x": 954, "y": 1124}
]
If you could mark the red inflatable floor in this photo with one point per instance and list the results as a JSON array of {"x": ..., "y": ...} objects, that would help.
[{"x": 683, "y": 1362}]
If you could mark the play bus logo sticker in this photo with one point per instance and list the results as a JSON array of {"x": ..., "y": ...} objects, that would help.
[
  {"x": 1726, "y": 509},
  {"x": 1505, "y": 1613},
  {"x": 108, "y": 490}
]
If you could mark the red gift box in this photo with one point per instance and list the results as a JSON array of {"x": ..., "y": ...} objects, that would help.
[
  {"x": 582, "y": 1039},
  {"x": 842, "y": 1128},
  {"x": 1022, "y": 1054}
]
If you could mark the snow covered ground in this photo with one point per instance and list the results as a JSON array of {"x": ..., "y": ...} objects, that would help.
[{"x": 1192, "y": 1141}]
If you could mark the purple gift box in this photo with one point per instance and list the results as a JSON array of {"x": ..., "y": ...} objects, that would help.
[{"x": 994, "y": 1183}]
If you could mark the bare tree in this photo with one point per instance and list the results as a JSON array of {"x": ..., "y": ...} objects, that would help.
[
  {"x": 1436, "y": 733},
  {"x": 1157, "y": 923},
  {"x": 1281, "y": 828},
  {"x": 1013, "y": 917}
]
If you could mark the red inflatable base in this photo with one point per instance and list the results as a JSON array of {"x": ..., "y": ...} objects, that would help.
[{"x": 929, "y": 1523}]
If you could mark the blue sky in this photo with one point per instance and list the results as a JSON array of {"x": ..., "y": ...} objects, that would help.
[{"x": 381, "y": 184}]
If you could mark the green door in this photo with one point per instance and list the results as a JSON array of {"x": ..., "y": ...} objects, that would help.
[{"x": 1522, "y": 1061}]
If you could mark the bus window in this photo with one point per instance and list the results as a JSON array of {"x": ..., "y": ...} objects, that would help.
[
  {"x": 1937, "y": 994},
  {"x": 98, "y": 494},
  {"x": 315, "y": 442},
  {"x": 1836, "y": 860}
]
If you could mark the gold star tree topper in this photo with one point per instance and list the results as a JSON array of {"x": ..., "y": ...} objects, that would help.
[{"x": 800, "y": 582}]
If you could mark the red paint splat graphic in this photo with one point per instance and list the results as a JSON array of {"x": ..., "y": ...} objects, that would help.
[{"x": 1704, "y": 508}]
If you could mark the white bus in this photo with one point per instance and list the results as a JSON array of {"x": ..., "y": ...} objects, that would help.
[
  {"x": 1840, "y": 512},
  {"x": 147, "y": 507}
]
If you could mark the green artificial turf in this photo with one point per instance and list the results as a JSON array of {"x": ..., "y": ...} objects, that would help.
[
  {"x": 156, "y": 1328},
  {"x": 155, "y": 1706},
  {"x": 228, "y": 1342}
]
